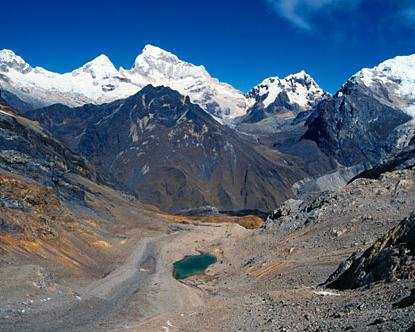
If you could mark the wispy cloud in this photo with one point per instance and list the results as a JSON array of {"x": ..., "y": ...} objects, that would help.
[
  {"x": 408, "y": 14},
  {"x": 299, "y": 12}
]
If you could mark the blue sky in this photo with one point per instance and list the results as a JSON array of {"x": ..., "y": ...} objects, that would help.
[{"x": 239, "y": 41}]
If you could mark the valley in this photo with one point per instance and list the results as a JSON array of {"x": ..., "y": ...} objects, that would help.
[{"x": 263, "y": 279}]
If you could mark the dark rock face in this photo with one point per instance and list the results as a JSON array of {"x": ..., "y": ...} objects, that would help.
[
  {"x": 35, "y": 185},
  {"x": 281, "y": 104},
  {"x": 2, "y": 101},
  {"x": 404, "y": 159},
  {"x": 68, "y": 123},
  {"x": 8, "y": 98},
  {"x": 392, "y": 257},
  {"x": 355, "y": 126},
  {"x": 171, "y": 153},
  {"x": 27, "y": 149}
]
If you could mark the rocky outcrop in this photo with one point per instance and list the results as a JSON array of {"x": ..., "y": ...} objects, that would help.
[
  {"x": 295, "y": 214},
  {"x": 363, "y": 201},
  {"x": 30, "y": 211},
  {"x": 391, "y": 258}
]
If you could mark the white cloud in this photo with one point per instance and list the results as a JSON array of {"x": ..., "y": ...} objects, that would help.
[{"x": 299, "y": 12}]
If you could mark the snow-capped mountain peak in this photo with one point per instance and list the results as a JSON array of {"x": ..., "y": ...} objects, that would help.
[
  {"x": 400, "y": 67},
  {"x": 392, "y": 81},
  {"x": 8, "y": 56},
  {"x": 300, "y": 88},
  {"x": 100, "y": 67},
  {"x": 98, "y": 81},
  {"x": 158, "y": 67},
  {"x": 101, "y": 61},
  {"x": 9, "y": 59},
  {"x": 300, "y": 74},
  {"x": 157, "y": 52}
]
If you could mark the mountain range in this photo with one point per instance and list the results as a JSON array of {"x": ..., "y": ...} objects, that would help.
[
  {"x": 199, "y": 141},
  {"x": 98, "y": 82}
]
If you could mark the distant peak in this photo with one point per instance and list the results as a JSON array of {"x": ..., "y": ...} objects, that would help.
[
  {"x": 300, "y": 74},
  {"x": 400, "y": 67},
  {"x": 100, "y": 65},
  {"x": 5, "y": 52},
  {"x": 153, "y": 54},
  {"x": 101, "y": 59},
  {"x": 399, "y": 60},
  {"x": 275, "y": 80},
  {"x": 9, "y": 59},
  {"x": 8, "y": 56},
  {"x": 156, "y": 51}
]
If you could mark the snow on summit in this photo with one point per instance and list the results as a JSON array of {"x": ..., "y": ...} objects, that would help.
[
  {"x": 300, "y": 88},
  {"x": 98, "y": 81},
  {"x": 158, "y": 67},
  {"x": 398, "y": 75},
  {"x": 156, "y": 52},
  {"x": 8, "y": 56},
  {"x": 101, "y": 66},
  {"x": 9, "y": 59}
]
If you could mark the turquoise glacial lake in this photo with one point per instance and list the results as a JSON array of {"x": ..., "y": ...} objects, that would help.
[{"x": 191, "y": 265}]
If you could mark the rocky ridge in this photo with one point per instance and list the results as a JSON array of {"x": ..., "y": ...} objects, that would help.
[{"x": 391, "y": 258}]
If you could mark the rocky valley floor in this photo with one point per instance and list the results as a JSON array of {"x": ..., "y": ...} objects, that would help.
[{"x": 115, "y": 272}]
